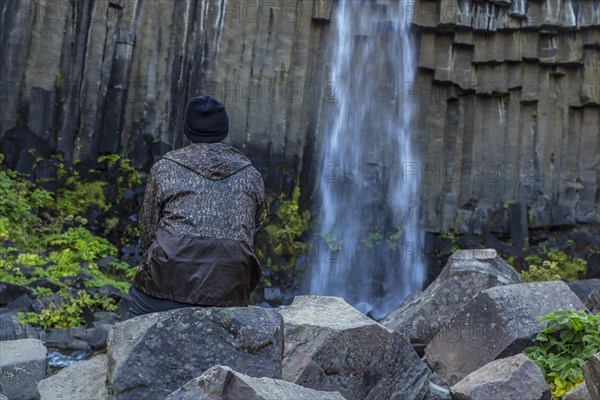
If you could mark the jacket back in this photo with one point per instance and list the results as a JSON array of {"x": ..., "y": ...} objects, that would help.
[{"x": 199, "y": 221}]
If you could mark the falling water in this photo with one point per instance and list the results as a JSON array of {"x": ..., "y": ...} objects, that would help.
[{"x": 370, "y": 244}]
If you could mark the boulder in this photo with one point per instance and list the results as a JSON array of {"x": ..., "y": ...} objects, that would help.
[
  {"x": 151, "y": 355},
  {"x": 82, "y": 380},
  {"x": 331, "y": 346},
  {"x": 579, "y": 393},
  {"x": 467, "y": 273},
  {"x": 593, "y": 302},
  {"x": 591, "y": 372},
  {"x": 498, "y": 323},
  {"x": 436, "y": 392},
  {"x": 10, "y": 292},
  {"x": 223, "y": 383},
  {"x": 584, "y": 287},
  {"x": 22, "y": 366},
  {"x": 515, "y": 377}
]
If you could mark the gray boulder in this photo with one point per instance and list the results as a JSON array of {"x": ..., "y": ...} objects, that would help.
[
  {"x": 584, "y": 287},
  {"x": 467, "y": 273},
  {"x": 80, "y": 381},
  {"x": 515, "y": 377},
  {"x": 22, "y": 366},
  {"x": 151, "y": 355},
  {"x": 593, "y": 302},
  {"x": 579, "y": 393},
  {"x": 436, "y": 392},
  {"x": 591, "y": 372},
  {"x": 223, "y": 383},
  {"x": 331, "y": 346},
  {"x": 498, "y": 323}
]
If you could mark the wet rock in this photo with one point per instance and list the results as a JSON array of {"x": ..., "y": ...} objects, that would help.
[
  {"x": 223, "y": 383},
  {"x": 10, "y": 292},
  {"x": 154, "y": 354},
  {"x": 82, "y": 380},
  {"x": 591, "y": 372},
  {"x": 22, "y": 366},
  {"x": 583, "y": 288},
  {"x": 497, "y": 323},
  {"x": 579, "y": 393},
  {"x": 515, "y": 377},
  {"x": 331, "y": 346},
  {"x": 467, "y": 273}
]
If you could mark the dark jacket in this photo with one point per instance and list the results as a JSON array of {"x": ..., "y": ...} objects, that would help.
[{"x": 199, "y": 221}]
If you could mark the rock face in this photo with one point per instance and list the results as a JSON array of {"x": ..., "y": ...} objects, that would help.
[
  {"x": 499, "y": 322},
  {"x": 579, "y": 393},
  {"x": 90, "y": 78},
  {"x": 82, "y": 380},
  {"x": 331, "y": 346},
  {"x": 22, "y": 366},
  {"x": 591, "y": 372},
  {"x": 583, "y": 288},
  {"x": 593, "y": 302},
  {"x": 223, "y": 383},
  {"x": 515, "y": 377},
  {"x": 467, "y": 273},
  {"x": 508, "y": 94},
  {"x": 152, "y": 355}
]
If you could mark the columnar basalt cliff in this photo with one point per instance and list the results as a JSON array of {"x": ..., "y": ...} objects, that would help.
[
  {"x": 510, "y": 96},
  {"x": 509, "y": 93}
]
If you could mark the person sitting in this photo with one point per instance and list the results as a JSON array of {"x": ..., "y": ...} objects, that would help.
[{"x": 199, "y": 221}]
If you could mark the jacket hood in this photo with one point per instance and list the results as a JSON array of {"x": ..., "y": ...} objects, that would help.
[{"x": 211, "y": 160}]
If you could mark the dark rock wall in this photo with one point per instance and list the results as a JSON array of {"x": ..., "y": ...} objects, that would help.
[{"x": 509, "y": 93}]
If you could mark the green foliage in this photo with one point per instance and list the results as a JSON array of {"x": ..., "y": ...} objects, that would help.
[
  {"x": 283, "y": 232},
  {"x": 373, "y": 239},
  {"x": 548, "y": 271},
  {"x": 68, "y": 312},
  {"x": 289, "y": 226},
  {"x": 556, "y": 266},
  {"x": 331, "y": 240},
  {"x": 452, "y": 238},
  {"x": 128, "y": 176},
  {"x": 43, "y": 235},
  {"x": 569, "y": 339}
]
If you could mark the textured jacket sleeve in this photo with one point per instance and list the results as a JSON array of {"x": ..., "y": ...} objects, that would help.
[
  {"x": 260, "y": 211},
  {"x": 149, "y": 214}
]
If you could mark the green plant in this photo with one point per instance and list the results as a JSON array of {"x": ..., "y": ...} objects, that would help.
[
  {"x": 373, "y": 239},
  {"x": 557, "y": 266},
  {"x": 282, "y": 247},
  {"x": 68, "y": 312},
  {"x": 332, "y": 242},
  {"x": 44, "y": 235},
  {"x": 548, "y": 271},
  {"x": 568, "y": 340}
]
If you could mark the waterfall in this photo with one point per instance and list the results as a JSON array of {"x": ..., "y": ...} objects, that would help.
[{"x": 368, "y": 241}]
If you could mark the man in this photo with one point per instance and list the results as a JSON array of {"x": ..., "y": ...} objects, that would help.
[{"x": 199, "y": 221}]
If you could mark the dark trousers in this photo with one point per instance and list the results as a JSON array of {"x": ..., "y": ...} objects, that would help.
[{"x": 141, "y": 303}]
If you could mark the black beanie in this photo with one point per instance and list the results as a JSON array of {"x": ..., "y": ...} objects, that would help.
[{"x": 206, "y": 120}]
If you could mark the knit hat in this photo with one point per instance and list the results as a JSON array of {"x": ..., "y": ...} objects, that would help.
[{"x": 206, "y": 120}]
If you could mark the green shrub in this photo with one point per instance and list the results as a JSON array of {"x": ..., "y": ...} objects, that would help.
[
  {"x": 569, "y": 339},
  {"x": 68, "y": 313},
  {"x": 283, "y": 231},
  {"x": 557, "y": 266},
  {"x": 43, "y": 235}
]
